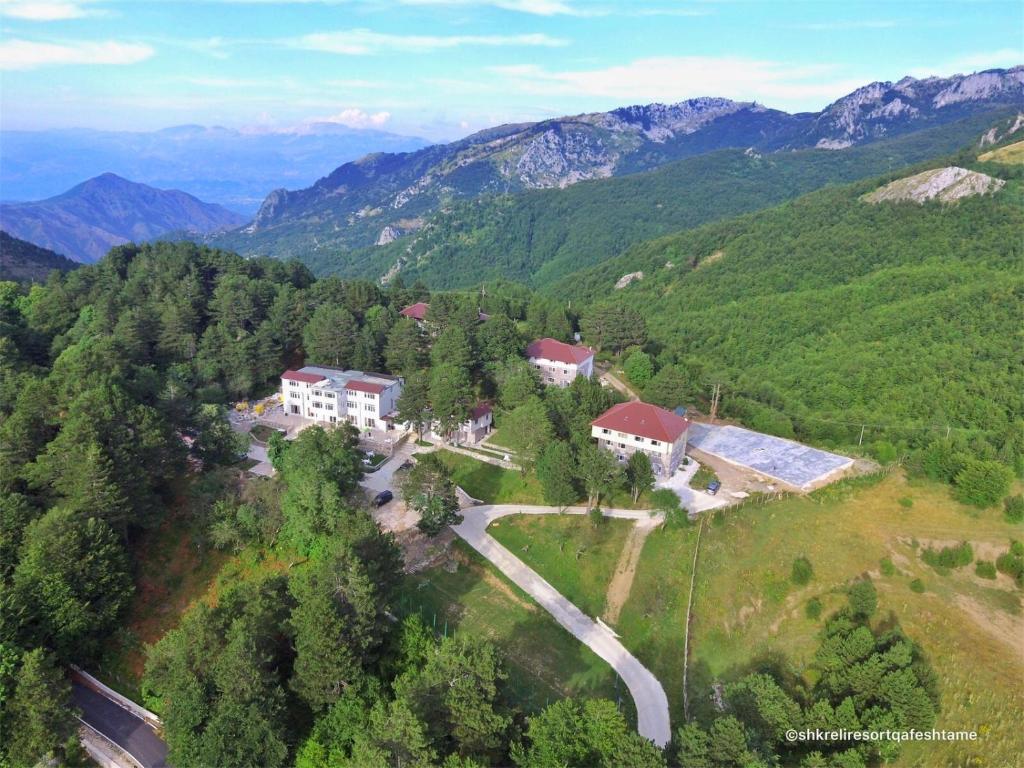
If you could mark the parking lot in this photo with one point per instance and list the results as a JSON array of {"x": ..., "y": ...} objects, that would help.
[{"x": 786, "y": 461}]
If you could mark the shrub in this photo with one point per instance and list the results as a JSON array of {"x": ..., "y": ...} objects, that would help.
[
  {"x": 863, "y": 598},
  {"x": 982, "y": 483},
  {"x": 802, "y": 571},
  {"x": 884, "y": 451},
  {"x": 1011, "y": 562},
  {"x": 949, "y": 557},
  {"x": 917, "y": 586},
  {"x": 906, "y": 502},
  {"x": 886, "y": 567},
  {"x": 813, "y": 609},
  {"x": 985, "y": 570},
  {"x": 596, "y": 517},
  {"x": 1013, "y": 508}
]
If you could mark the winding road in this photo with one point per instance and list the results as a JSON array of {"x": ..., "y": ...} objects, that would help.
[
  {"x": 123, "y": 728},
  {"x": 648, "y": 695}
]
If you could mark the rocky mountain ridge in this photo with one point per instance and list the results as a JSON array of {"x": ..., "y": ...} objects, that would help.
[{"x": 360, "y": 203}]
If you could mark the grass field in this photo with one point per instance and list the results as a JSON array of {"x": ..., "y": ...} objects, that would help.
[
  {"x": 576, "y": 557},
  {"x": 1011, "y": 154},
  {"x": 545, "y": 662},
  {"x": 490, "y": 483},
  {"x": 495, "y": 485},
  {"x": 746, "y": 609}
]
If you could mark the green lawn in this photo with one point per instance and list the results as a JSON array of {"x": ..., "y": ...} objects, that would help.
[
  {"x": 653, "y": 619},
  {"x": 495, "y": 485},
  {"x": 702, "y": 477},
  {"x": 746, "y": 609},
  {"x": 490, "y": 483},
  {"x": 576, "y": 557},
  {"x": 262, "y": 432},
  {"x": 544, "y": 661}
]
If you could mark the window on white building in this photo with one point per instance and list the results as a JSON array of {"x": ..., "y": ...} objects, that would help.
[
  {"x": 293, "y": 383},
  {"x": 370, "y": 407},
  {"x": 371, "y": 423}
]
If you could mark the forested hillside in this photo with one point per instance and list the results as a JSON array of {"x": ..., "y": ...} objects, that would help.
[
  {"x": 542, "y": 235},
  {"x": 829, "y": 313},
  {"x": 21, "y": 261}
]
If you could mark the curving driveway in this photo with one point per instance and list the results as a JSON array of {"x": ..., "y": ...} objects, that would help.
[
  {"x": 121, "y": 727},
  {"x": 648, "y": 695}
]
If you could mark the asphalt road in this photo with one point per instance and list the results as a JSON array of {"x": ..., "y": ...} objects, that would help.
[
  {"x": 119, "y": 725},
  {"x": 647, "y": 692}
]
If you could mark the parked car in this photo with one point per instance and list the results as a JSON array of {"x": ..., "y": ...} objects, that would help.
[
  {"x": 382, "y": 498},
  {"x": 713, "y": 487}
]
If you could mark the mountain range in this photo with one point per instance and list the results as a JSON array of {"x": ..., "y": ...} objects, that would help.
[
  {"x": 234, "y": 168},
  {"x": 385, "y": 196},
  {"x": 88, "y": 220}
]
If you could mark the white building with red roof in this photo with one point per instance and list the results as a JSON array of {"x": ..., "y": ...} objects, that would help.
[
  {"x": 332, "y": 396},
  {"x": 560, "y": 363},
  {"x": 634, "y": 426}
]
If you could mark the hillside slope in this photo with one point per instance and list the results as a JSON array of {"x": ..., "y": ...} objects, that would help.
[
  {"x": 828, "y": 313},
  {"x": 540, "y": 236},
  {"x": 23, "y": 262},
  {"x": 384, "y": 196},
  {"x": 89, "y": 219}
]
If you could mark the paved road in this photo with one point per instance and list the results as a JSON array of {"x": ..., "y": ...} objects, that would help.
[
  {"x": 648, "y": 695},
  {"x": 693, "y": 500},
  {"x": 127, "y": 731}
]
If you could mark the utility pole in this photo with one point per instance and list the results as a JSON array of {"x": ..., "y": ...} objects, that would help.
[
  {"x": 715, "y": 397},
  {"x": 860, "y": 439}
]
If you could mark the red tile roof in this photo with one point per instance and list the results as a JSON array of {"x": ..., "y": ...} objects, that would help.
[
  {"x": 650, "y": 421},
  {"x": 307, "y": 378},
  {"x": 559, "y": 351},
  {"x": 481, "y": 409},
  {"x": 417, "y": 311},
  {"x": 364, "y": 386}
]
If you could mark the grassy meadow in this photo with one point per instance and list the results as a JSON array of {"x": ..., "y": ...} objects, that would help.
[
  {"x": 748, "y": 612},
  {"x": 544, "y": 661},
  {"x": 575, "y": 556}
]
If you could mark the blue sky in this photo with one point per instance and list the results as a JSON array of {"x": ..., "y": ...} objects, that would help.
[{"x": 441, "y": 68}]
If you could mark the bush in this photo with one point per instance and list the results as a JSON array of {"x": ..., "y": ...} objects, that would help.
[
  {"x": 1011, "y": 562},
  {"x": 813, "y": 609},
  {"x": 1013, "y": 508},
  {"x": 949, "y": 557},
  {"x": 917, "y": 586},
  {"x": 596, "y": 517},
  {"x": 884, "y": 451},
  {"x": 906, "y": 502},
  {"x": 985, "y": 570},
  {"x": 802, "y": 571},
  {"x": 863, "y": 598},
  {"x": 886, "y": 567},
  {"x": 982, "y": 483}
]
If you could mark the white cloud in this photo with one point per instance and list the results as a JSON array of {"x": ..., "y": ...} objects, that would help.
[
  {"x": 360, "y": 42},
  {"x": 27, "y": 54},
  {"x": 674, "y": 78},
  {"x": 31, "y": 10},
  {"x": 830, "y": 26},
  {"x": 357, "y": 118},
  {"x": 534, "y": 7},
  {"x": 973, "y": 62}
]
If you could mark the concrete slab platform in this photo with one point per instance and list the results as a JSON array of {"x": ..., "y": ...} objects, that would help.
[{"x": 787, "y": 461}]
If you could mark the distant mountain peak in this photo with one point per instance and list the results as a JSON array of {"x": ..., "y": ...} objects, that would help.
[{"x": 107, "y": 210}]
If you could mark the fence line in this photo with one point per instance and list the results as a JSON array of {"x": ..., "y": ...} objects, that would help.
[{"x": 689, "y": 615}]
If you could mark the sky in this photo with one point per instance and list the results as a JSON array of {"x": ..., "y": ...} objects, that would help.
[{"x": 443, "y": 68}]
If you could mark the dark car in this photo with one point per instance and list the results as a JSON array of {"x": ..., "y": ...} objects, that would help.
[
  {"x": 713, "y": 487},
  {"x": 382, "y": 498}
]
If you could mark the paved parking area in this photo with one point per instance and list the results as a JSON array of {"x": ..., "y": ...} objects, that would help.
[
  {"x": 787, "y": 461},
  {"x": 692, "y": 499}
]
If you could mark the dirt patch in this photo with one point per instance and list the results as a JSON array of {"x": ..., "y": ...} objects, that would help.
[
  {"x": 716, "y": 256},
  {"x": 625, "y": 570},
  {"x": 1005, "y": 628},
  {"x": 420, "y": 551}
]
